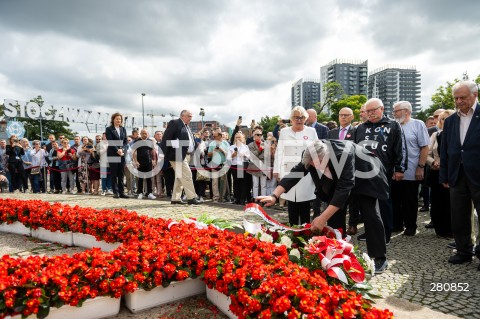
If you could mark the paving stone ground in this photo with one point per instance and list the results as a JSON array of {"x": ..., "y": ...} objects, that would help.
[{"x": 414, "y": 286}]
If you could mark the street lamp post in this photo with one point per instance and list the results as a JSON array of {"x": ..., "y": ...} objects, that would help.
[
  {"x": 143, "y": 112},
  {"x": 202, "y": 114}
]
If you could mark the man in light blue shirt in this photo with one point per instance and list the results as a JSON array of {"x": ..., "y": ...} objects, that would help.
[{"x": 405, "y": 191}]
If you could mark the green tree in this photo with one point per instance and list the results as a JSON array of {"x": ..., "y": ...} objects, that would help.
[
  {"x": 332, "y": 91},
  {"x": 268, "y": 123},
  {"x": 32, "y": 127},
  {"x": 354, "y": 102}
]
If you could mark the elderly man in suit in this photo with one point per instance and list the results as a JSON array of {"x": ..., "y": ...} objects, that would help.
[
  {"x": 178, "y": 144},
  {"x": 459, "y": 170},
  {"x": 340, "y": 169}
]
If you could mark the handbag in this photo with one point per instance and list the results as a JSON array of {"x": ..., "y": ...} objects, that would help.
[{"x": 35, "y": 170}]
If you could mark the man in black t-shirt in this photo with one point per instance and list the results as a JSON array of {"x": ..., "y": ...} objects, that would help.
[{"x": 143, "y": 149}]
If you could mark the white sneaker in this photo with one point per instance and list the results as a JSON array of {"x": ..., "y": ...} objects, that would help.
[
  {"x": 151, "y": 196},
  {"x": 104, "y": 193},
  {"x": 109, "y": 192},
  {"x": 140, "y": 196}
]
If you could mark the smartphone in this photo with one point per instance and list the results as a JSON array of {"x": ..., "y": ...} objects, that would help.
[
  {"x": 286, "y": 121},
  {"x": 240, "y": 117},
  {"x": 208, "y": 124}
]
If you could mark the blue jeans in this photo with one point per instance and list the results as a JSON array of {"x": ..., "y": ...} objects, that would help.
[
  {"x": 35, "y": 178},
  {"x": 106, "y": 179}
]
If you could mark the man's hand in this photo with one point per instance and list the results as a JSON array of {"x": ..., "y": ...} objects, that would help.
[
  {"x": 446, "y": 185},
  {"x": 239, "y": 122},
  {"x": 419, "y": 174},
  {"x": 398, "y": 176},
  {"x": 267, "y": 200},
  {"x": 318, "y": 223}
]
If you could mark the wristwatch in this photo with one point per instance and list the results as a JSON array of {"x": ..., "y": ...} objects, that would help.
[{"x": 421, "y": 166}]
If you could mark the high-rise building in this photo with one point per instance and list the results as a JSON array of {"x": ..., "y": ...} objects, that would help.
[
  {"x": 351, "y": 74},
  {"x": 393, "y": 83},
  {"x": 305, "y": 93}
]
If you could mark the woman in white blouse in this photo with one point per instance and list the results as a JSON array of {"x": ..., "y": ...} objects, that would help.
[
  {"x": 292, "y": 142},
  {"x": 238, "y": 155}
]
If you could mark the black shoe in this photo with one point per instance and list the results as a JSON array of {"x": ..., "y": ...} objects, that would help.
[
  {"x": 116, "y": 195},
  {"x": 459, "y": 259},
  {"x": 362, "y": 237},
  {"x": 178, "y": 202},
  {"x": 409, "y": 232},
  {"x": 194, "y": 201},
  {"x": 380, "y": 266},
  {"x": 424, "y": 209},
  {"x": 452, "y": 245},
  {"x": 430, "y": 225},
  {"x": 398, "y": 230},
  {"x": 124, "y": 196}
]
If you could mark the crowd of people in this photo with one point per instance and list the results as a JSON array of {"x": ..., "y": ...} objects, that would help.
[{"x": 313, "y": 169}]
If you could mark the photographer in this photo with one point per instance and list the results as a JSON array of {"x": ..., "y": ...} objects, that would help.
[
  {"x": 15, "y": 151},
  {"x": 238, "y": 155}
]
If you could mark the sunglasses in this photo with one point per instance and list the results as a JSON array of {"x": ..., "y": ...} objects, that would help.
[{"x": 258, "y": 134}]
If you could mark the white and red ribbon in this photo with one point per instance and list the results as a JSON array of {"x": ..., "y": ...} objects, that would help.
[{"x": 253, "y": 228}]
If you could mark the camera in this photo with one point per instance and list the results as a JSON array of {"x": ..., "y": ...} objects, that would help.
[
  {"x": 217, "y": 147},
  {"x": 90, "y": 146},
  {"x": 239, "y": 117},
  {"x": 208, "y": 124},
  {"x": 15, "y": 140},
  {"x": 235, "y": 149}
]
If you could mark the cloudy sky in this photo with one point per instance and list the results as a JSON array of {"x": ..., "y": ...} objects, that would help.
[{"x": 231, "y": 57}]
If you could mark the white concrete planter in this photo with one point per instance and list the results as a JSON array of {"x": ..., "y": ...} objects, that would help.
[
  {"x": 141, "y": 299},
  {"x": 89, "y": 241},
  {"x": 53, "y": 237},
  {"x": 99, "y": 307},
  {"x": 221, "y": 301},
  {"x": 15, "y": 228}
]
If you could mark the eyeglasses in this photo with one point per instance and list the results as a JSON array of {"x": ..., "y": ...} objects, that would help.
[
  {"x": 258, "y": 134},
  {"x": 398, "y": 110},
  {"x": 299, "y": 118},
  {"x": 373, "y": 110},
  {"x": 344, "y": 115},
  {"x": 441, "y": 119}
]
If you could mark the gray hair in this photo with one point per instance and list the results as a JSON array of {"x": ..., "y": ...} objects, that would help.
[
  {"x": 314, "y": 152},
  {"x": 374, "y": 99},
  {"x": 404, "y": 104},
  {"x": 472, "y": 86},
  {"x": 299, "y": 109}
]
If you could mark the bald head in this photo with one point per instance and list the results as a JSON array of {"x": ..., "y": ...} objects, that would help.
[{"x": 312, "y": 116}]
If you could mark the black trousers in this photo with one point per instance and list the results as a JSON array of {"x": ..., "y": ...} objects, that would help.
[
  {"x": 461, "y": 197},
  {"x": 440, "y": 206},
  {"x": 298, "y": 212},
  {"x": 117, "y": 174},
  {"x": 374, "y": 230},
  {"x": 405, "y": 204},
  {"x": 169, "y": 174},
  {"x": 17, "y": 175},
  {"x": 240, "y": 183},
  {"x": 144, "y": 168},
  {"x": 338, "y": 220}
]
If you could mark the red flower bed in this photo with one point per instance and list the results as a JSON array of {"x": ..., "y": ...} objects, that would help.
[{"x": 258, "y": 276}]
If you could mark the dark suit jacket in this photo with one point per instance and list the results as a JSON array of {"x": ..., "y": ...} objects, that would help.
[
  {"x": 322, "y": 130},
  {"x": 112, "y": 135},
  {"x": 335, "y": 134},
  {"x": 453, "y": 154},
  {"x": 346, "y": 179},
  {"x": 175, "y": 130}
]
